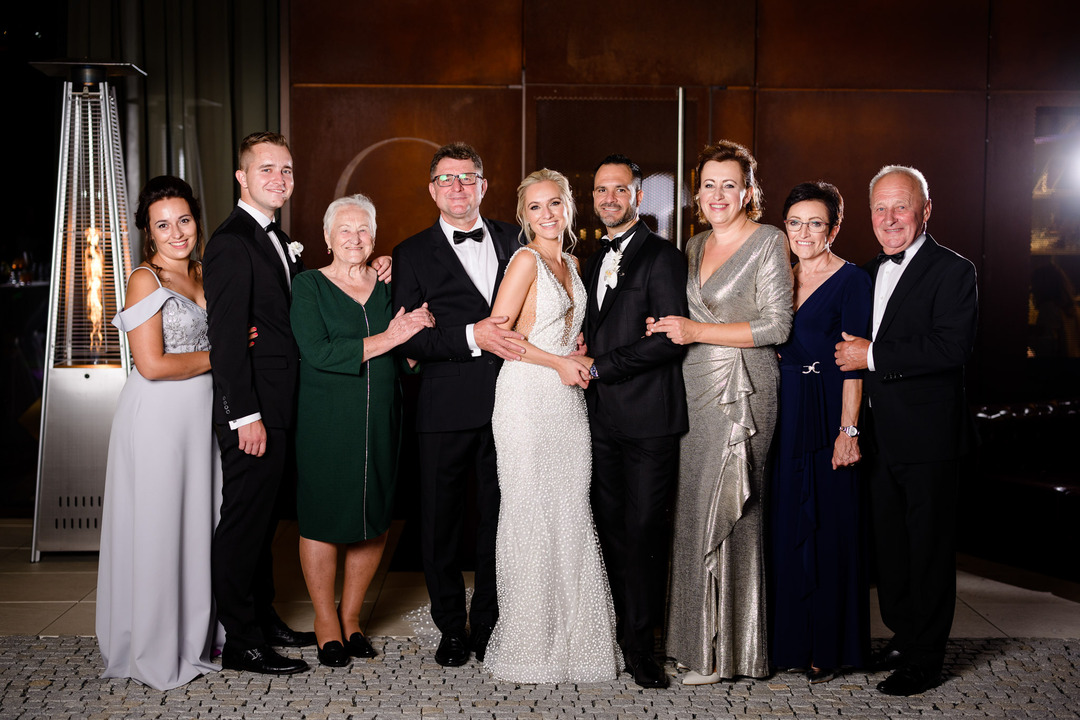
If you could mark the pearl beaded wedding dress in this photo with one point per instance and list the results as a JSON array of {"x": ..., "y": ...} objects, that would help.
[{"x": 556, "y": 619}]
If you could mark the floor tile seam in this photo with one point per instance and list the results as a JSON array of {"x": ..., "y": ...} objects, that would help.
[{"x": 985, "y": 619}]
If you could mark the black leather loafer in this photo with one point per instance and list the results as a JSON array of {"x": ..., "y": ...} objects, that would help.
[
  {"x": 263, "y": 660},
  {"x": 358, "y": 646},
  {"x": 909, "y": 679},
  {"x": 887, "y": 658},
  {"x": 478, "y": 639},
  {"x": 278, "y": 634},
  {"x": 647, "y": 673},
  {"x": 453, "y": 649},
  {"x": 332, "y": 654}
]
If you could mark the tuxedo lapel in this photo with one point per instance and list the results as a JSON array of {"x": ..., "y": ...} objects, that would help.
[
  {"x": 502, "y": 252},
  {"x": 443, "y": 254},
  {"x": 913, "y": 274},
  {"x": 626, "y": 262}
]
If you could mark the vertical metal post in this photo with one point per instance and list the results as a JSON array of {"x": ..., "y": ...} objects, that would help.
[{"x": 680, "y": 143}]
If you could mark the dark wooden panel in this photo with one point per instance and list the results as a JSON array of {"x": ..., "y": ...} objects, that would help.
[
  {"x": 732, "y": 117},
  {"x": 924, "y": 44},
  {"x": 846, "y": 137},
  {"x": 640, "y": 42},
  {"x": 571, "y": 129},
  {"x": 405, "y": 42},
  {"x": 1034, "y": 45},
  {"x": 379, "y": 141}
]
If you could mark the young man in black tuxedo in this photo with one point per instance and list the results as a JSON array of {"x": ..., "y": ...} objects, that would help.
[
  {"x": 916, "y": 417},
  {"x": 248, "y": 271},
  {"x": 455, "y": 266},
  {"x": 637, "y": 406}
]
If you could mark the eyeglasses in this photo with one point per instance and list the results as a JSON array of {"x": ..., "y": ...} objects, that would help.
[
  {"x": 463, "y": 178},
  {"x": 816, "y": 226}
]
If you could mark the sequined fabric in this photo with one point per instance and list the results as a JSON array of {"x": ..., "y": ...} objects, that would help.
[
  {"x": 556, "y": 619},
  {"x": 716, "y": 613}
]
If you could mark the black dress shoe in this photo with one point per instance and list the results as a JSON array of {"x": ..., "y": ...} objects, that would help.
[
  {"x": 647, "y": 673},
  {"x": 453, "y": 649},
  {"x": 358, "y": 646},
  {"x": 333, "y": 654},
  {"x": 478, "y": 640},
  {"x": 888, "y": 658},
  {"x": 278, "y": 634},
  {"x": 263, "y": 659},
  {"x": 909, "y": 679}
]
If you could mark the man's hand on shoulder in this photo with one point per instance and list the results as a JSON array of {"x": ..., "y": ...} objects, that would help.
[
  {"x": 492, "y": 338},
  {"x": 253, "y": 438}
]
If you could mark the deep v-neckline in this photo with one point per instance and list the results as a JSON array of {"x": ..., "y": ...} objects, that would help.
[
  {"x": 721, "y": 266},
  {"x": 568, "y": 293},
  {"x": 814, "y": 292},
  {"x": 342, "y": 291}
]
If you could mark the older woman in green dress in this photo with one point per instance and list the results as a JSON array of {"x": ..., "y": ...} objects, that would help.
[{"x": 348, "y": 422}]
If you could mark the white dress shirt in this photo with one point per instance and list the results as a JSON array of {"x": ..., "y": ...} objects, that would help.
[
  {"x": 481, "y": 265},
  {"x": 888, "y": 277},
  {"x": 608, "y": 262}
]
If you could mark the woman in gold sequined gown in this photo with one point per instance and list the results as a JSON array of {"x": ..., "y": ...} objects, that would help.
[
  {"x": 739, "y": 293},
  {"x": 556, "y": 619}
]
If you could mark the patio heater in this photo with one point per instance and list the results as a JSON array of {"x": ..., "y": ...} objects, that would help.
[{"x": 86, "y": 358}]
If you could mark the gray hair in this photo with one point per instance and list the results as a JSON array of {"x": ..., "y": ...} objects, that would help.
[
  {"x": 358, "y": 201},
  {"x": 911, "y": 172}
]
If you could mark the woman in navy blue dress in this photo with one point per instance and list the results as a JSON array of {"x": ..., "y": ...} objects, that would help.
[{"x": 818, "y": 589}]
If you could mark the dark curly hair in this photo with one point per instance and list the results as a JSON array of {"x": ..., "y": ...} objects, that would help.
[{"x": 164, "y": 187}]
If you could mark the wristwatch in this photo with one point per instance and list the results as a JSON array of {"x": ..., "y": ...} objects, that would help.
[
  {"x": 592, "y": 372},
  {"x": 849, "y": 430}
]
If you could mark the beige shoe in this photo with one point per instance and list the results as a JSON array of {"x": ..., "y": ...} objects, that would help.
[{"x": 696, "y": 678}]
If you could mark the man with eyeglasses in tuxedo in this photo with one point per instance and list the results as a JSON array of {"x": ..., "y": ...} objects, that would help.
[{"x": 455, "y": 266}]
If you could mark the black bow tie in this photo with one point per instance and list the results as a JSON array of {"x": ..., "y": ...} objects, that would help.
[
  {"x": 272, "y": 227},
  {"x": 897, "y": 258},
  {"x": 611, "y": 243},
  {"x": 477, "y": 235}
]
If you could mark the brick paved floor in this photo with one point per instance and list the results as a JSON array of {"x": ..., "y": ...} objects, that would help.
[{"x": 56, "y": 678}]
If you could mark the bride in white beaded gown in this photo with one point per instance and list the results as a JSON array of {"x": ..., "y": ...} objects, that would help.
[{"x": 556, "y": 619}]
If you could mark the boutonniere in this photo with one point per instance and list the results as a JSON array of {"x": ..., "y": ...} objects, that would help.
[
  {"x": 295, "y": 249},
  {"x": 611, "y": 275}
]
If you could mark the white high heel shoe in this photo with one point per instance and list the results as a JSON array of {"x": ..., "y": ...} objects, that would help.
[{"x": 695, "y": 678}]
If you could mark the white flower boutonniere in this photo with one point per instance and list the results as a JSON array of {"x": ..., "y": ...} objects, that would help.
[
  {"x": 295, "y": 249},
  {"x": 611, "y": 275}
]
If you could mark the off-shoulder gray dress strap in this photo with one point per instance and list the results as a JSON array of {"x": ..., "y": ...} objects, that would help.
[{"x": 134, "y": 316}]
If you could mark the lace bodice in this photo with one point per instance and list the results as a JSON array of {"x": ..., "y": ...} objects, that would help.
[
  {"x": 550, "y": 319},
  {"x": 183, "y": 321}
]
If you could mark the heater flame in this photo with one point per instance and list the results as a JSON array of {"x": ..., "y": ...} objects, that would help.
[{"x": 93, "y": 269}]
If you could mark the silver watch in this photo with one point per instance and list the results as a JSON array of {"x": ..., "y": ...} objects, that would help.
[{"x": 849, "y": 430}]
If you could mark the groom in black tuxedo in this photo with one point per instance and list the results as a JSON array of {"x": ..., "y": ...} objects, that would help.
[
  {"x": 248, "y": 271},
  {"x": 637, "y": 406},
  {"x": 916, "y": 417},
  {"x": 455, "y": 266}
]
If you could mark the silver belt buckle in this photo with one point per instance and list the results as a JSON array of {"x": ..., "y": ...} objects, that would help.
[{"x": 812, "y": 368}]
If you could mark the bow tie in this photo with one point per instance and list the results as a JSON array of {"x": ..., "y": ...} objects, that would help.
[
  {"x": 611, "y": 243},
  {"x": 477, "y": 235},
  {"x": 272, "y": 227},
  {"x": 897, "y": 258}
]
